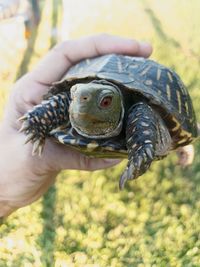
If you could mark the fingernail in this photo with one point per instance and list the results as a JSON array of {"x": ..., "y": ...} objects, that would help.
[
  {"x": 145, "y": 44},
  {"x": 146, "y": 47}
]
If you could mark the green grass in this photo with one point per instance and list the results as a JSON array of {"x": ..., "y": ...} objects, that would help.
[{"x": 84, "y": 220}]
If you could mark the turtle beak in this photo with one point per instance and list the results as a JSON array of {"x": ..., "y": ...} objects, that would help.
[{"x": 85, "y": 117}]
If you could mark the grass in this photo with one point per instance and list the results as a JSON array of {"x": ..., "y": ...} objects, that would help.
[{"x": 84, "y": 220}]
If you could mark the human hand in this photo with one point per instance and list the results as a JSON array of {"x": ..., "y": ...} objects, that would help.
[
  {"x": 185, "y": 155},
  {"x": 25, "y": 178}
]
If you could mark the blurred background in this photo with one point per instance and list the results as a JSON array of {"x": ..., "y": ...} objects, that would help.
[{"x": 84, "y": 220}]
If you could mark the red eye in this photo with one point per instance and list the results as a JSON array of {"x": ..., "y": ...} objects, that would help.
[{"x": 106, "y": 102}]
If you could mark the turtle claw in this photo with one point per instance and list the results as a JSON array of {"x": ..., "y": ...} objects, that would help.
[
  {"x": 137, "y": 164},
  {"x": 24, "y": 127},
  {"x": 32, "y": 136},
  {"x": 23, "y": 118},
  {"x": 38, "y": 144},
  {"x": 38, "y": 147},
  {"x": 127, "y": 175},
  {"x": 148, "y": 152},
  {"x": 123, "y": 179}
]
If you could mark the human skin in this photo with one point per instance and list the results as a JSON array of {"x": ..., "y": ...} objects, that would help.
[{"x": 25, "y": 178}]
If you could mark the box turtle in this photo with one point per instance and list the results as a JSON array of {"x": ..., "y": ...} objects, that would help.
[{"x": 116, "y": 106}]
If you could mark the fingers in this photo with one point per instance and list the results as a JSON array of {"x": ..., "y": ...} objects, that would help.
[
  {"x": 54, "y": 65},
  {"x": 92, "y": 164},
  {"x": 185, "y": 155},
  {"x": 61, "y": 157},
  {"x": 144, "y": 50}
]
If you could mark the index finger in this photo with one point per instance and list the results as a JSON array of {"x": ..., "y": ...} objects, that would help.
[{"x": 58, "y": 60}]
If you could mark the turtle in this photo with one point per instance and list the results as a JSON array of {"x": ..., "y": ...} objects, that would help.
[{"x": 115, "y": 106}]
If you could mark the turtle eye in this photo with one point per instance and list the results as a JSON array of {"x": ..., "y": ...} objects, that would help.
[{"x": 106, "y": 102}]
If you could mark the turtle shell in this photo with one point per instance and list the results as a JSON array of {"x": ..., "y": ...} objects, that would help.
[{"x": 161, "y": 87}]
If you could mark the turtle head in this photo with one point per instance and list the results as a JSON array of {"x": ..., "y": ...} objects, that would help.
[{"x": 96, "y": 109}]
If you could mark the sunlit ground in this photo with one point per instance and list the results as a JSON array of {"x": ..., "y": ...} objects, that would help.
[{"x": 84, "y": 220}]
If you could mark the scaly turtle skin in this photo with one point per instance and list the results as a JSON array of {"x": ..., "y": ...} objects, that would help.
[{"x": 116, "y": 106}]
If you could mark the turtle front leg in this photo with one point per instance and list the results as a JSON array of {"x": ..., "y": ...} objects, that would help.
[
  {"x": 43, "y": 118},
  {"x": 147, "y": 139}
]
